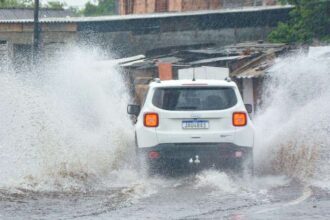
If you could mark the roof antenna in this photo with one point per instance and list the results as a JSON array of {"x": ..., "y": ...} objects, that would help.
[{"x": 194, "y": 78}]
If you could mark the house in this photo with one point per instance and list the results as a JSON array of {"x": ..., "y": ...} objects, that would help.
[
  {"x": 156, "y": 6},
  {"x": 246, "y": 64},
  {"x": 16, "y": 33}
]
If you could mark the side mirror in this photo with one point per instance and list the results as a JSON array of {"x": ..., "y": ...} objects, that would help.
[
  {"x": 248, "y": 108},
  {"x": 133, "y": 110}
]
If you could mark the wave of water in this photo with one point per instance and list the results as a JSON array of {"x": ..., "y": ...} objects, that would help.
[
  {"x": 293, "y": 125},
  {"x": 64, "y": 127}
]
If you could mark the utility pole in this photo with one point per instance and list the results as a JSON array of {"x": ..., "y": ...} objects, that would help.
[{"x": 36, "y": 32}]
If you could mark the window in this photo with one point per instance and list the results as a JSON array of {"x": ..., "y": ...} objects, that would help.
[{"x": 194, "y": 99}]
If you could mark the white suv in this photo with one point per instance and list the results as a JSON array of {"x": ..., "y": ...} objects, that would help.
[{"x": 193, "y": 123}]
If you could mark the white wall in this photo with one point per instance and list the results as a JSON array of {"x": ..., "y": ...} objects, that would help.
[
  {"x": 204, "y": 72},
  {"x": 248, "y": 92}
]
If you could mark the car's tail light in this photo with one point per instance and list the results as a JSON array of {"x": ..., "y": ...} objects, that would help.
[
  {"x": 239, "y": 119},
  {"x": 238, "y": 154},
  {"x": 154, "y": 155},
  {"x": 151, "y": 119}
]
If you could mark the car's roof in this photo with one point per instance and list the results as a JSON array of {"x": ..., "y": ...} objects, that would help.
[{"x": 199, "y": 82}]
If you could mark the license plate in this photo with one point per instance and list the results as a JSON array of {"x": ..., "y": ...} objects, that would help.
[{"x": 195, "y": 124}]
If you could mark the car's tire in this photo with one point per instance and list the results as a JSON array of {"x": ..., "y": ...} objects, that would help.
[
  {"x": 144, "y": 166},
  {"x": 248, "y": 165},
  {"x": 139, "y": 158},
  {"x": 151, "y": 169},
  {"x": 243, "y": 166}
]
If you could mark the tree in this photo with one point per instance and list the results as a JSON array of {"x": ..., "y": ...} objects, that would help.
[
  {"x": 309, "y": 20},
  {"x": 103, "y": 7},
  {"x": 55, "y": 5},
  {"x": 29, "y": 4},
  {"x": 16, "y": 3}
]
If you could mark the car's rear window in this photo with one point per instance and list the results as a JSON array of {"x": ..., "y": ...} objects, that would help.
[{"x": 194, "y": 99}]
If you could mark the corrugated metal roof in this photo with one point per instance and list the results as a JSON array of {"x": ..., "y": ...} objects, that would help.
[
  {"x": 130, "y": 59},
  {"x": 144, "y": 16},
  {"x": 14, "y": 14},
  {"x": 151, "y": 62},
  {"x": 251, "y": 73},
  {"x": 256, "y": 67},
  {"x": 216, "y": 59},
  {"x": 253, "y": 61},
  {"x": 129, "y": 64},
  {"x": 209, "y": 51}
]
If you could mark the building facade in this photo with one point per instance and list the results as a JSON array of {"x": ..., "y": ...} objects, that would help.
[{"x": 158, "y": 6}]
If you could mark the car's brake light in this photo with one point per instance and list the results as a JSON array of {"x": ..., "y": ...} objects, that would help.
[
  {"x": 151, "y": 119},
  {"x": 154, "y": 155},
  {"x": 239, "y": 119}
]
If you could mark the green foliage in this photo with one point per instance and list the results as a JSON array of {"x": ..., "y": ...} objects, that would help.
[
  {"x": 55, "y": 5},
  {"x": 16, "y": 3},
  {"x": 309, "y": 20},
  {"x": 103, "y": 7},
  {"x": 29, "y": 4},
  {"x": 75, "y": 10}
]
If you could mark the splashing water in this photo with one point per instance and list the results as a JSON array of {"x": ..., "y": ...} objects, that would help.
[
  {"x": 293, "y": 126},
  {"x": 65, "y": 126},
  {"x": 218, "y": 180}
]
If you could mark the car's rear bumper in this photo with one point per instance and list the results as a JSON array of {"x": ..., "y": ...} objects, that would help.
[{"x": 183, "y": 155}]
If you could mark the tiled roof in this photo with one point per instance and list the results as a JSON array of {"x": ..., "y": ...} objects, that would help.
[{"x": 27, "y": 13}]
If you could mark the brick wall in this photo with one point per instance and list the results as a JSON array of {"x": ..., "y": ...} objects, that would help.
[
  {"x": 270, "y": 2},
  {"x": 152, "y": 6},
  {"x": 195, "y": 5},
  {"x": 175, "y": 5},
  {"x": 140, "y": 7},
  {"x": 136, "y": 6}
]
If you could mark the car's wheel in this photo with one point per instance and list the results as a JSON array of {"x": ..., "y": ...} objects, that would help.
[
  {"x": 139, "y": 158},
  {"x": 250, "y": 170},
  {"x": 145, "y": 166},
  {"x": 242, "y": 166},
  {"x": 248, "y": 165},
  {"x": 152, "y": 170}
]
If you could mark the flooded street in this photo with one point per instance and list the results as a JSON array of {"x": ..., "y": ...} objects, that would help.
[
  {"x": 209, "y": 195},
  {"x": 67, "y": 149}
]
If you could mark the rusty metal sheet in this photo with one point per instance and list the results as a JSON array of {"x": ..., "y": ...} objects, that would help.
[
  {"x": 59, "y": 27},
  {"x": 11, "y": 27}
]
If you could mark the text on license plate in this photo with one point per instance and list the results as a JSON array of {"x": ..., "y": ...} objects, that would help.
[{"x": 195, "y": 124}]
